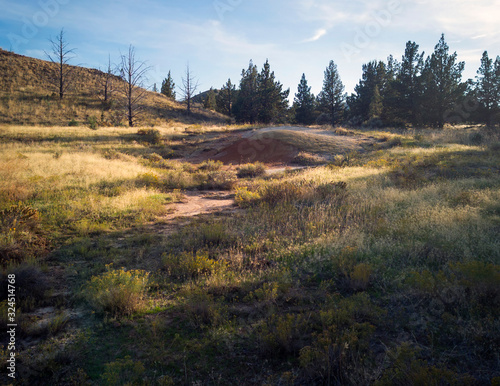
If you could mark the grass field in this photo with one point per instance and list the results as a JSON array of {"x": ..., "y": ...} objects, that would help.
[{"x": 381, "y": 267}]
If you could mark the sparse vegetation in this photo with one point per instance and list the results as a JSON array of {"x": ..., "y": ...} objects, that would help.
[{"x": 381, "y": 267}]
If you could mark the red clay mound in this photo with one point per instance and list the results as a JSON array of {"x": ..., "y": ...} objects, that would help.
[{"x": 266, "y": 150}]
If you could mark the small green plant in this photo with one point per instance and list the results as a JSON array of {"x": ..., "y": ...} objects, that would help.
[
  {"x": 117, "y": 291},
  {"x": 73, "y": 123},
  {"x": 360, "y": 277},
  {"x": 210, "y": 166}
]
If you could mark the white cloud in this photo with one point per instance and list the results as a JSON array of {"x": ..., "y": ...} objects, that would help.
[{"x": 318, "y": 35}]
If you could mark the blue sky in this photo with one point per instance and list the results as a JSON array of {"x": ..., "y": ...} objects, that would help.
[{"x": 219, "y": 37}]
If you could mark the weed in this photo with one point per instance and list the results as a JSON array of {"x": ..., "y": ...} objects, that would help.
[
  {"x": 245, "y": 198},
  {"x": 123, "y": 371},
  {"x": 92, "y": 122},
  {"x": 153, "y": 136},
  {"x": 188, "y": 265}
]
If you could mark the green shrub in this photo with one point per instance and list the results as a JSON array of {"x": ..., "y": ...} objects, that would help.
[
  {"x": 117, "y": 291},
  {"x": 218, "y": 179},
  {"x": 251, "y": 170},
  {"x": 188, "y": 265},
  {"x": 73, "y": 123},
  {"x": 245, "y": 198}
]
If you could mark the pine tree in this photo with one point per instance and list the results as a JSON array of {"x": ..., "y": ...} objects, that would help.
[
  {"x": 272, "y": 100},
  {"x": 374, "y": 75},
  {"x": 225, "y": 98},
  {"x": 376, "y": 105},
  {"x": 442, "y": 84},
  {"x": 331, "y": 98},
  {"x": 487, "y": 88},
  {"x": 246, "y": 106},
  {"x": 409, "y": 84},
  {"x": 304, "y": 103},
  {"x": 210, "y": 102},
  {"x": 168, "y": 87}
]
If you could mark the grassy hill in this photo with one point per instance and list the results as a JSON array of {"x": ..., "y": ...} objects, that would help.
[{"x": 27, "y": 96}]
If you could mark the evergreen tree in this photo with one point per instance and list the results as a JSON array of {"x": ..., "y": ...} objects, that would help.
[
  {"x": 376, "y": 105},
  {"x": 246, "y": 106},
  {"x": 225, "y": 98},
  {"x": 409, "y": 84},
  {"x": 487, "y": 92},
  {"x": 168, "y": 87},
  {"x": 442, "y": 84},
  {"x": 210, "y": 102},
  {"x": 331, "y": 98},
  {"x": 374, "y": 76},
  {"x": 272, "y": 100},
  {"x": 304, "y": 103}
]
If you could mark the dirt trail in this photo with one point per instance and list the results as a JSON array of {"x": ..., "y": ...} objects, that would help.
[{"x": 196, "y": 203}]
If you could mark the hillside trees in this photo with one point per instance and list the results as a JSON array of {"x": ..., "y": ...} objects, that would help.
[
  {"x": 304, "y": 103},
  {"x": 331, "y": 99},
  {"x": 61, "y": 54},
  {"x": 168, "y": 87},
  {"x": 246, "y": 108},
  {"x": 210, "y": 100},
  {"x": 133, "y": 72}
]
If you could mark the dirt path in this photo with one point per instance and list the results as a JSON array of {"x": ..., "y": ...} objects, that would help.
[{"x": 196, "y": 203}]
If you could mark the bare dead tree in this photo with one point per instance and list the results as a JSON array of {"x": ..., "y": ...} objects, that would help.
[
  {"x": 106, "y": 84},
  {"x": 189, "y": 87},
  {"x": 133, "y": 72},
  {"x": 61, "y": 54}
]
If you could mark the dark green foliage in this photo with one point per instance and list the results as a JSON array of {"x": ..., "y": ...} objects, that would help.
[
  {"x": 304, "y": 103},
  {"x": 225, "y": 98},
  {"x": 442, "y": 84},
  {"x": 210, "y": 102},
  {"x": 261, "y": 98},
  {"x": 168, "y": 87},
  {"x": 487, "y": 89},
  {"x": 331, "y": 99}
]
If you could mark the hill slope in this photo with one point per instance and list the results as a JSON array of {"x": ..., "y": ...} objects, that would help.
[{"x": 27, "y": 96}]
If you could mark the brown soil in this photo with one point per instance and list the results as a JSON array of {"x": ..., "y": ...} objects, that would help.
[{"x": 197, "y": 203}]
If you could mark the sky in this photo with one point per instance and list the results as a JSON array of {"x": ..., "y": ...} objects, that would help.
[{"x": 218, "y": 38}]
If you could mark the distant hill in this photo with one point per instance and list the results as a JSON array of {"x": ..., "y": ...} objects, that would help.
[{"x": 27, "y": 96}]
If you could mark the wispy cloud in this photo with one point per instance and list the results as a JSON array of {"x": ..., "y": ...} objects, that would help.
[{"x": 318, "y": 35}]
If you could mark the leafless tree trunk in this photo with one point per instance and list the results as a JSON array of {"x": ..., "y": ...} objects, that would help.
[
  {"x": 61, "y": 55},
  {"x": 133, "y": 72},
  {"x": 189, "y": 87},
  {"x": 106, "y": 84}
]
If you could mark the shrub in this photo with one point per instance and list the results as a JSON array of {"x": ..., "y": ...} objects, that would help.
[
  {"x": 188, "y": 265},
  {"x": 210, "y": 165},
  {"x": 245, "y": 198},
  {"x": 117, "y": 291},
  {"x": 250, "y": 170},
  {"x": 73, "y": 123},
  {"x": 476, "y": 138},
  {"x": 360, "y": 277},
  {"x": 152, "y": 136},
  {"x": 92, "y": 122},
  {"x": 218, "y": 179}
]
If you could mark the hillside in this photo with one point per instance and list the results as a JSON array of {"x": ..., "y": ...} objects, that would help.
[{"x": 27, "y": 96}]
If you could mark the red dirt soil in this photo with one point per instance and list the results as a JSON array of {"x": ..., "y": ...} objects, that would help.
[{"x": 266, "y": 150}]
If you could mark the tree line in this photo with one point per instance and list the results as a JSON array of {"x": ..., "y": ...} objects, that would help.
[{"x": 418, "y": 90}]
